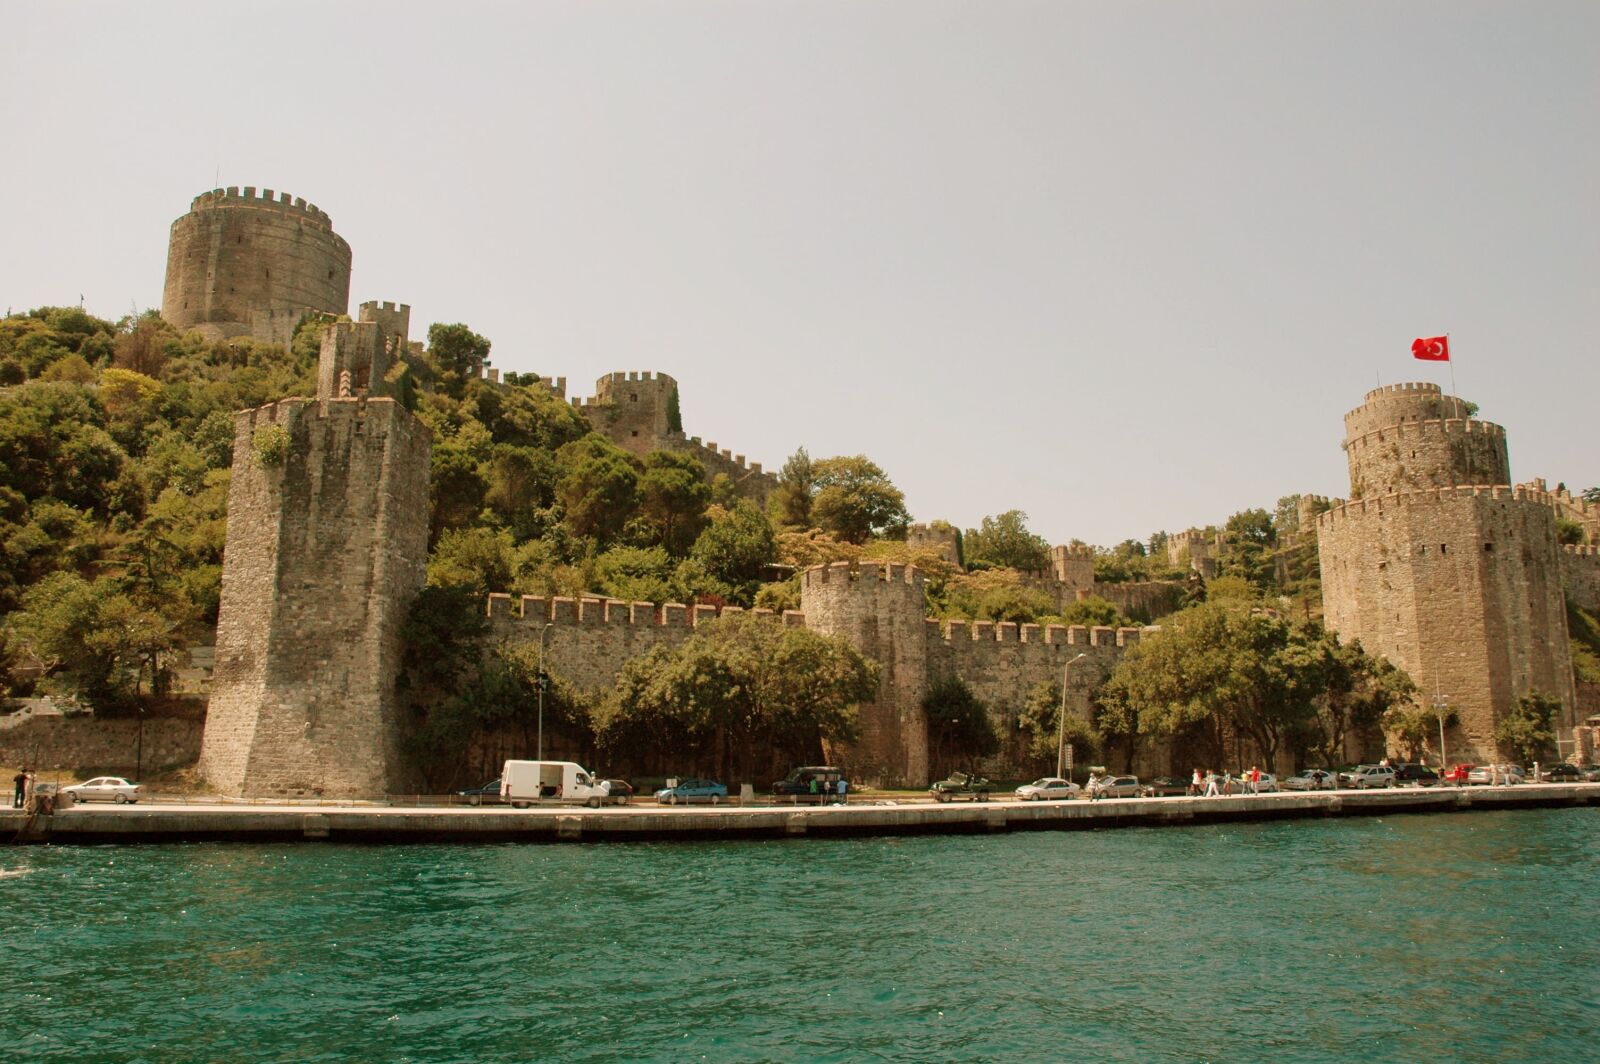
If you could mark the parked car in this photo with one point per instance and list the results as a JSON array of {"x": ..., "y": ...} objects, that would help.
[
  {"x": 1312, "y": 779},
  {"x": 488, "y": 794},
  {"x": 1267, "y": 784},
  {"x": 1560, "y": 774},
  {"x": 812, "y": 781},
  {"x": 1591, "y": 773},
  {"x": 1114, "y": 787},
  {"x": 1411, "y": 774},
  {"x": 1166, "y": 787},
  {"x": 1365, "y": 776},
  {"x": 1047, "y": 789},
  {"x": 693, "y": 790},
  {"x": 105, "y": 789},
  {"x": 619, "y": 793},
  {"x": 959, "y": 784},
  {"x": 1505, "y": 775},
  {"x": 1457, "y": 774}
]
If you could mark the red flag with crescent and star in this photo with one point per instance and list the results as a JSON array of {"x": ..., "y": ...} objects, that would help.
[{"x": 1432, "y": 349}]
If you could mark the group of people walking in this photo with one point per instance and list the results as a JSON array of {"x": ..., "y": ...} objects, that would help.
[{"x": 1209, "y": 784}]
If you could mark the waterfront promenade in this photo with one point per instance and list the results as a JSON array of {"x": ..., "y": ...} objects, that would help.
[{"x": 155, "y": 821}]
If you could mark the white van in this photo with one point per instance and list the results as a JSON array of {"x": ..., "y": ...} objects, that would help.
[{"x": 524, "y": 782}]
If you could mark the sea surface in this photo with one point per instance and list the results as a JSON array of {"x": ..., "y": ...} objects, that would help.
[{"x": 1470, "y": 936}]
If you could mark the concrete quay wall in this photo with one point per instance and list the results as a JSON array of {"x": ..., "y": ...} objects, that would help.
[{"x": 636, "y": 824}]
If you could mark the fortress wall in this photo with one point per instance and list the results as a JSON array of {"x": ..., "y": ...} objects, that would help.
[
  {"x": 1458, "y": 586},
  {"x": 1580, "y": 575},
  {"x": 1143, "y": 600},
  {"x": 1001, "y": 663},
  {"x": 590, "y": 640},
  {"x": 943, "y": 541},
  {"x": 1424, "y": 454},
  {"x": 325, "y": 552},
  {"x": 394, "y": 321},
  {"x": 239, "y": 263}
]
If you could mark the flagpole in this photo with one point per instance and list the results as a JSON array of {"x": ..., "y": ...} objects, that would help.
[{"x": 1452, "y": 362}]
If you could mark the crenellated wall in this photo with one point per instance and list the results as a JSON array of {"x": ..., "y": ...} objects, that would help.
[
  {"x": 590, "y": 640},
  {"x": 245, "y": 264},
  {"x": 1580, "y": 575}
]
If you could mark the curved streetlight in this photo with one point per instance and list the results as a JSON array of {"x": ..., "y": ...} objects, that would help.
[
  {"x": 1061, "y": 723},
  {"x": 542, "y": 633}
]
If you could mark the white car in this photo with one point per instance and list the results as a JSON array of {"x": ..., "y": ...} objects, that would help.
[
  {"x": 1047, "y": 789},
  {"x": 1501, "y": 774},
  {"x": 1366, "y": 776},
  {"x": 105, "y": 789},
  {"x": 1312, "y": 779}
]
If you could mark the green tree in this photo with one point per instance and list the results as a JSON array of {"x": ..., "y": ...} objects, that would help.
[
  {"x": 855, "y": 500},
  {"x": 674, "y": 413},
  {"x": 1005, "y": 542},
  {"x": 457, "y": 353},
  {"x": 1528, "y": 731},
  {"x": 729, "y": 557},
  {"x": 741, "y": 699},
  {"x": 1249, "y": 537},
  {"x": 597, "y": 487},
  {"x": 790, "y": 501},
  {"x": 960, "y": 733},
  {"x": 1040, "y": 724},
  {"x": 673, "y": 496}
]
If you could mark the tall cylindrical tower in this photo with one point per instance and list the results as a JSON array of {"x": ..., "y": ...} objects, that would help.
[
  {"x": 239, "y": 264},
  {"x": 1406, "y": 437},
  {"x": 1437, "y": 564}
]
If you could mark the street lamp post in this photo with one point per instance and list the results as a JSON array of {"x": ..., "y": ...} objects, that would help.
[
  {"x": 1061, "y": 729},
  {"x": 1441, "y": 708},
  {"x": 542, "y": 633}
]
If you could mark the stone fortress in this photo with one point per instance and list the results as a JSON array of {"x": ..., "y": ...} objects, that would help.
[
  {"x": 1440, "y": 565},
  {"x": 327, "y": 538}
]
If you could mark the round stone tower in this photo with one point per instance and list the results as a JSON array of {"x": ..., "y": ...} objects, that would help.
[
  {"x": 1410, "y": 436},
  {"x": 239, "y": 264},
  {"x": 1437, "y": 564}
]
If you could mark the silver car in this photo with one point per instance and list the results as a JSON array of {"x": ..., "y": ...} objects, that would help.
[
  {"x": 1366, "y": 776},
  {"x": 1114, "y": 787},
  {"x": 105, "y": 789},
  {"x": 1501, "y": 774},
  {"x": 1047, "y": 789}
]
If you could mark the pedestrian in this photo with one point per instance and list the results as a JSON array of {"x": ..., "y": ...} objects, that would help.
[
  {"x": 1211, "y": 785},
  {"x": 1195, "y": 784},
  {"x": 21, "y": 780},
  {"x": 1255, "y": 780},
  {"x": 844, "y": 791}
]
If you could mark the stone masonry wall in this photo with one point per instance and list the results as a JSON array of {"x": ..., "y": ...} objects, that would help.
[
  {"x": 93, "y": 746},
  {"x": 240, "y": 264},
  {"x": 1427, "y": 454},
  {"x": 325, "y": 552},
  {"x": 1461, "y": 588},
  {"x": 1580, "y": 575}
]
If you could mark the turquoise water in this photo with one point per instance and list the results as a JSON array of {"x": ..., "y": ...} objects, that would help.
[{"x": 1462, "y": 936}]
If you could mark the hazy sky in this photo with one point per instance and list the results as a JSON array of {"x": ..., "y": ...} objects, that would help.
[{"x": 1123, "y": 266}]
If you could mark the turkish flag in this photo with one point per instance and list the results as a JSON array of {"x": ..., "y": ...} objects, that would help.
[{"x": 1433, "y": 349}]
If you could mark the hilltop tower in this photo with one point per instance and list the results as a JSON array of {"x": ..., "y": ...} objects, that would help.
[
  {"x": 239, "y": 264},
  {"x": 879, "y": 609},
  {"x": 1440, "y": 566},
  {"x": 326, "y": 548}
]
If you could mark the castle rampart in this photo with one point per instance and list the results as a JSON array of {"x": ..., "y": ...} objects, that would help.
[
  {"x": 1394, "y": 404},
  {"x": 242, "y": 264},
  {"x": 1580, "y": 575}
]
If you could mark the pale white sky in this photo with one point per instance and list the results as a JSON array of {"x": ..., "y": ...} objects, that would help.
[{"x": 1123, "y": 266}]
